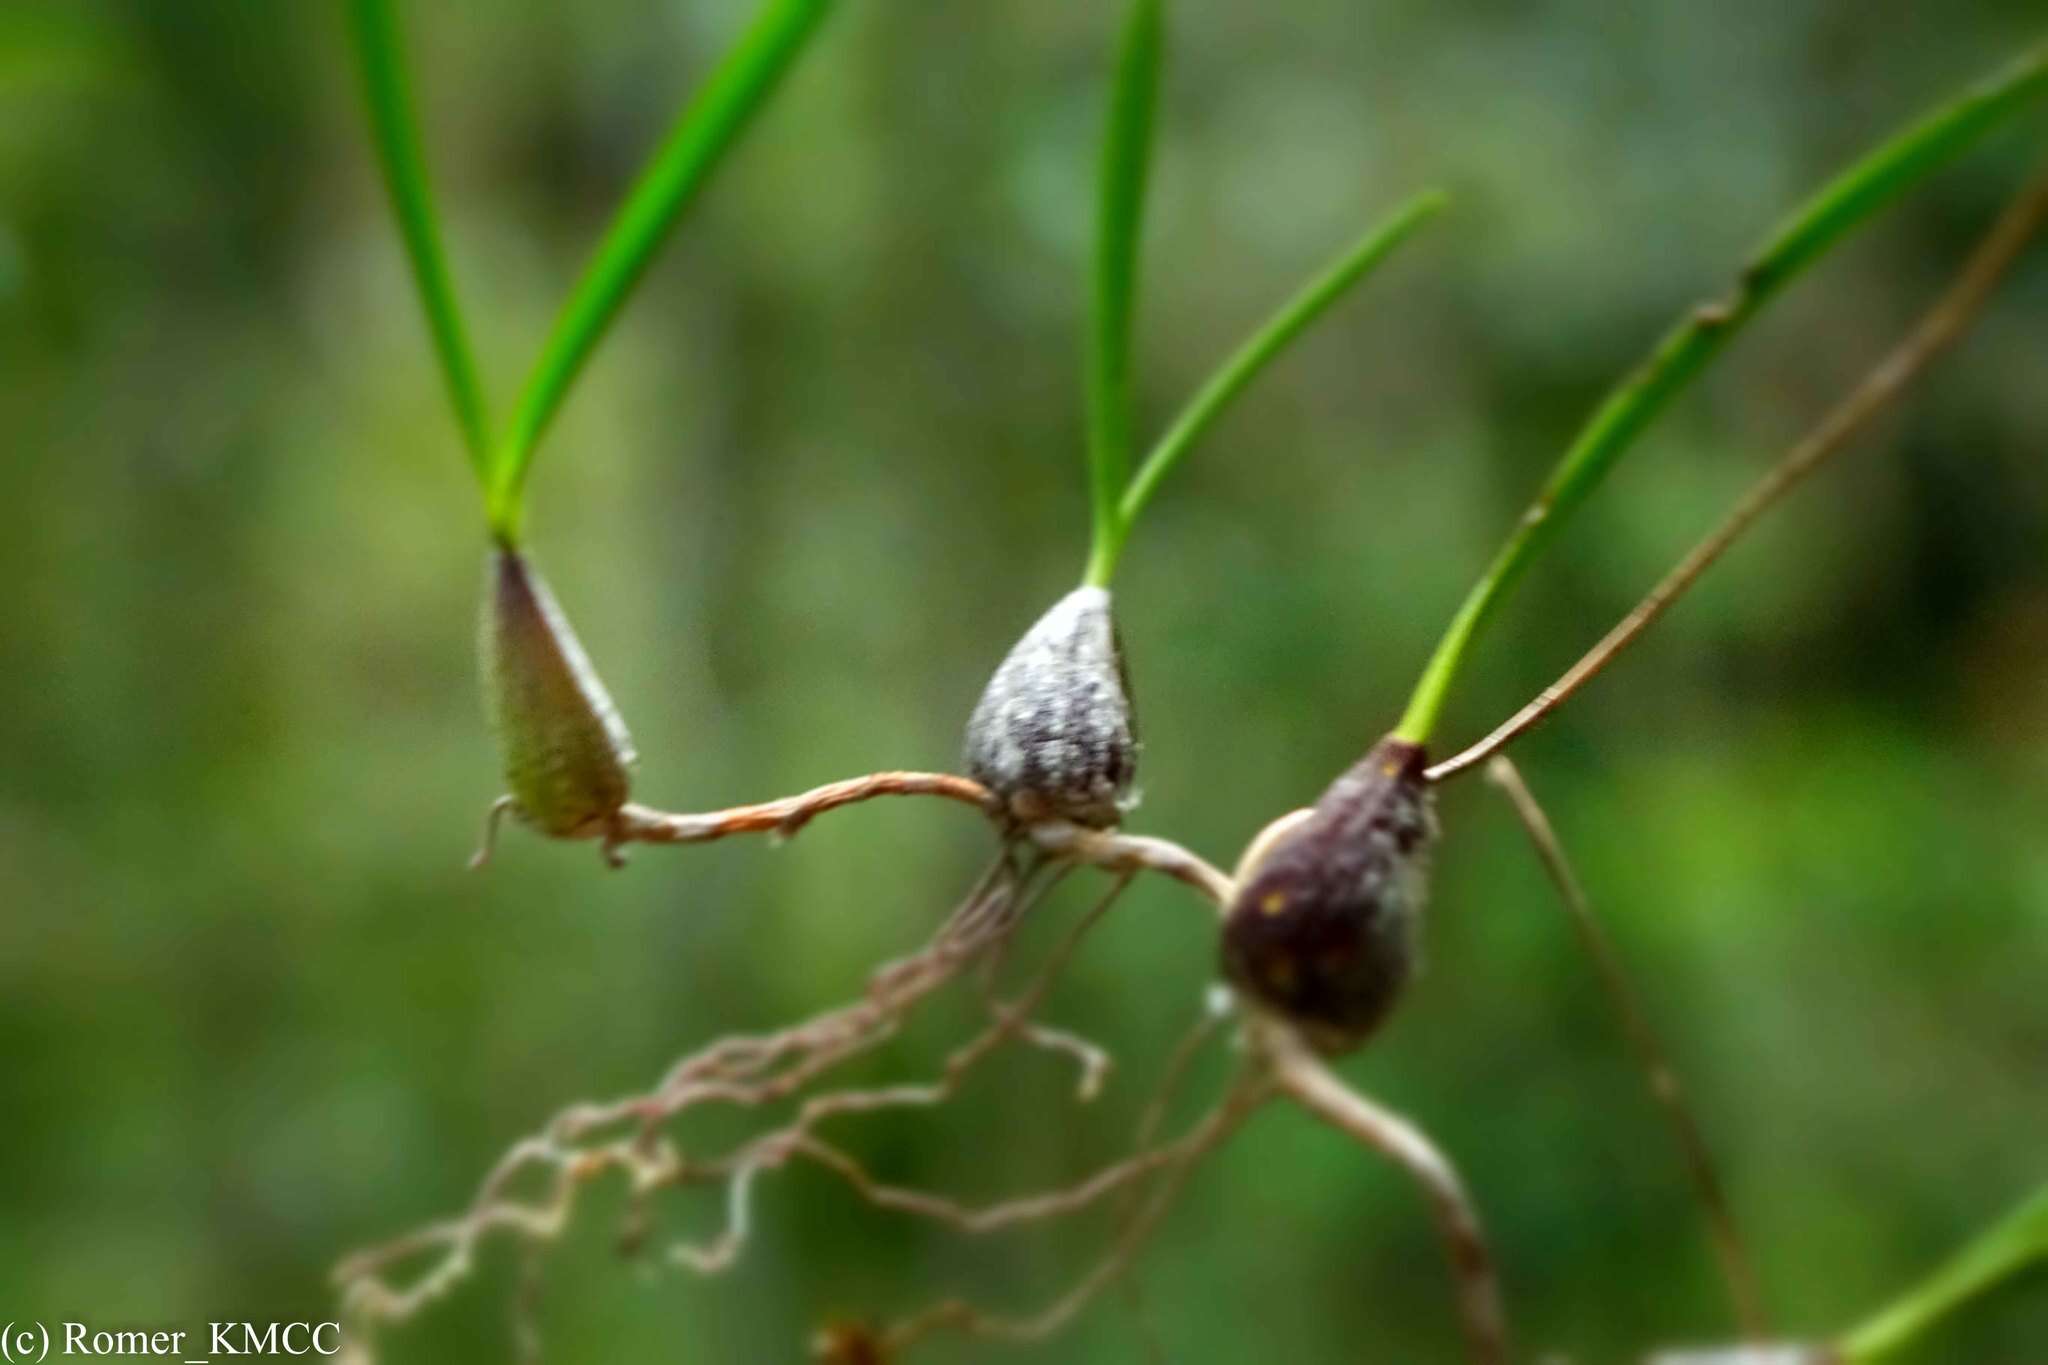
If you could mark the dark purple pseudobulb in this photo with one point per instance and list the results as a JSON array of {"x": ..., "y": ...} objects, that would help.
[{"x": 1324, "y": 929}]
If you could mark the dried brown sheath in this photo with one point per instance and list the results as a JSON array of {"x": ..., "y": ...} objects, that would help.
[
  {"x": 1324, "y": 928},
  {"x": 1053, "y": 734},
  {"x": 566, "y": 750}
]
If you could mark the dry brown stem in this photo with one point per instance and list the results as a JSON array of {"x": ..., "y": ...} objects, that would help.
[
  {"x": 787, "y": 815},
  {"x": 1737, "y": 1272},
  {"x": 1938, "y": 329}
]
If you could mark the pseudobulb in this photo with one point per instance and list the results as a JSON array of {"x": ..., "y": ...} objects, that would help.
[
  {"x": 566, "y": 752},
  {"x": 1053, "y": 734},
  {"x": 1325, "y": 928}
]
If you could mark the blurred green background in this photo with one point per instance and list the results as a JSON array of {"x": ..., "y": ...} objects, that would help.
[{"x": 254, "y": 1013}]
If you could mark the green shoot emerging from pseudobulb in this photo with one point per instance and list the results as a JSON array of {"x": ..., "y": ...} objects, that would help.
[
  {"x": 1325, "y": 924},
  {"x": 1053, "y": 735},
  {"x": 567, "y": 754}
]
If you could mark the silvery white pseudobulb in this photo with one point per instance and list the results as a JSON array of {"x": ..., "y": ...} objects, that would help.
[{"x": 1053, "y": 735}]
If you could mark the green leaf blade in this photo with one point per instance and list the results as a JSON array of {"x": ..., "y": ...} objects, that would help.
[
  {"x": 1894, "y": 167},
  {"x": 395, "y": 131},
  {"x": 2011, "y": 1245},
  {"x": 694, "y": 147},
  {"x": 1825, "y": 219},
  {"x": 1119, "y": 231},
  {"x": 1264, "y": 346}
]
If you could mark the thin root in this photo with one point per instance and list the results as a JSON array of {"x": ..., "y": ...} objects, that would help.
[
  {"x": 1307, "y": 1080},
  {"x": 628, "y": 1136},
  {"x": 488, "y": 843}
]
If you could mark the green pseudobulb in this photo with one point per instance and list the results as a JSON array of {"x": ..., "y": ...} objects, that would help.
[{"x": 567, "y": 753}]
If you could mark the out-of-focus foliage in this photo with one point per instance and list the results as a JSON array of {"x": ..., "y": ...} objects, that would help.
[{"x": 253, "y": 1012}]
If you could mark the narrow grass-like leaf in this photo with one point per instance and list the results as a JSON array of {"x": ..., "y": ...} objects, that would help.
[
  {"x": 707, "y": 128},
  {"x": 1820, "y": 223},
  {"x": 395, "y": 130},
  {"x": 2014, "y": 1243},
  {"x": 1258, "y": 351},
  {"x": 1119, "y": 230}
]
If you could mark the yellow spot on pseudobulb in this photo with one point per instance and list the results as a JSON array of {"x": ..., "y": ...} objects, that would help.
[{"x": 1274, "y": 902}]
